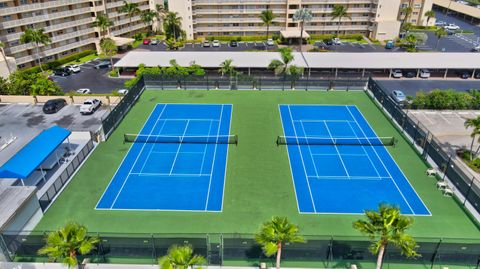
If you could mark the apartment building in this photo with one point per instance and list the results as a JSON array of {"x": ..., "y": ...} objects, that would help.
[
  {"x": 67, "y": 22},
  {"x": 201, "y": 18},
  {"x": 419, "y": 8}
]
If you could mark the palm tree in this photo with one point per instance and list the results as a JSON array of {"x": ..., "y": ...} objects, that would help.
[
  {"x": 439, "y": 33},
  {"x": 103, "y": 23},
  {"x": 66, "y": 243},
  {"x": 160, "y": 13},
  {"x": 147, "y": 17},
  {"x": 131, "y": 9},
  {"x": 267, "y": 18},
  {"x": 226, "y": 68},
  {"x": 302, "y": 15},
  {"x": 475, "y": 124},
  {"x": 180, "y": 257},
  {"x": 2, "y": 51},
  {"x": 339, "y": 12},
  {"x": 37, "y": 37},
  {"x": 384, "y": 227},
  {"x": 411, "y": 42},
  {"x": 109, "y": 48},
  {"x": 172, "y": 22},
  {"x": 283, "y": 67},
  {"x": 406, "y": 11},
  {"x": 429, "y": 14},
  {"x": 274, "y": 234}
]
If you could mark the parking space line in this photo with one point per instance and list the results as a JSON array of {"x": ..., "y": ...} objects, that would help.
[
  {"x": 443, "y": 117},
  {"x": 23, "y": 111},
  {"x": 428, "y": 119},
  {"x": 7, "y": 108}
]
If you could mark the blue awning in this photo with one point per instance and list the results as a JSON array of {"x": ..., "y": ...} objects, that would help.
[{"x": 32, "y": 155}]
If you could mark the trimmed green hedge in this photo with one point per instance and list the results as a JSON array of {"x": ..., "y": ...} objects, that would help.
[
  {"x": 242, "y": 38},
  {"x": 357, "y": 37},
  {"x": 59, "y": 62},
  {"x": 446, "y": 99}
]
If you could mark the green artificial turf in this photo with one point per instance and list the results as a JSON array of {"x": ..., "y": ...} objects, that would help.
[{"x": 258, "y": 182}]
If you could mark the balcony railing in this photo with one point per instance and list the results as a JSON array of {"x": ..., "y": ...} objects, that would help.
[
  {"x": 54, "y": 51},
  {"x": 128, "y": 29},
  {"x": 234, "y": 11},
  {"x": 280, "y": 19},
  {"x": 223, "y": 2},
  {"x": 236, "y": 29},
  {"x": 120, "y": 3},
  {"x": 45, "y": 17},
  {"x": 39, "y": 6}
]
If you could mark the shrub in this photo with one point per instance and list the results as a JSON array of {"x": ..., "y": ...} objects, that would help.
[
  {"x": 446, "y": 99},
  {"x": 59, "y": 62},
  {"x": 113, "y": 73}
]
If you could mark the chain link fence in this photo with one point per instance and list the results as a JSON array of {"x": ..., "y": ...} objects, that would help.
[{"x": 429, "y": 147}]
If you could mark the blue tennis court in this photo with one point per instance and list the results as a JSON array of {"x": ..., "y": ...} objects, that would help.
[
  {"x": 341, "y": 177},
  {"x": 177, "y": 161}
]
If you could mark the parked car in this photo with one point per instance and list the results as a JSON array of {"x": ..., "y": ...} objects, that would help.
[
  {"x": 122, "y": 91},
  {"x": 389, "y": 45},
  {"x": 53, "y": 105},
  {"x": 409, "y": 73},
  {"x": 216, "y": 43},
  {"x": 62, "y": 71},
  {"x": 73, "y": 68},
  {"x": 154, "y": 42},
  {"x": 450, "y": 32},
  {"x": 89, "y": 106},
  {"x": 270, "y": 42},
  {"x": 206, "y": 44},
  {"x": 397, "y": 73},
  {"x": 337, "y": 41},
  {"x": 103, "y": 64},
  {"x": 146, "y": 41},
  {"x": 233, "y": 43},
  {"x": 463, "y": 74},
  {"x": 84, "y": 91},
  {"x": 476, "y": 48},
  {"x": 477, "y": 75},
  {"x": 424, "y": 73},
  {"x": 328, "y": 42},
  {"x": 451, "y": 26},
  {"x": 398, "y": 96}
]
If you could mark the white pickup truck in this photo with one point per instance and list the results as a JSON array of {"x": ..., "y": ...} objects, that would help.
[{"x": 89, "y": 106}]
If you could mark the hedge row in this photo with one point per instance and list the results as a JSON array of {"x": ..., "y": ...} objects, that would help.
[
  {"x": 330, "y": 36},
  {"x": 59, "y": 62},
  {"x": 446, "y": 99}
]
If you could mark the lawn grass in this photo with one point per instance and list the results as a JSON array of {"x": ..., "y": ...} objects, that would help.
[
  {"x": 83, "y": 59},
  {"x": 258, "y": 182}
]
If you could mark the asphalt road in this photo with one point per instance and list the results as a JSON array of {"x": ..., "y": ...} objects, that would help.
[
  {"x": 412, "y": 86},
  {"x": 224, "y": 46},
  {"x": 96, "y": 80}
]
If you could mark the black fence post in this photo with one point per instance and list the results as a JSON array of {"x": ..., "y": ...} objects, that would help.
[
  {"x": 330, "y": 251},
  {"x": 469, "y": 190},
  {"x": 434, "y": 256},
  {"x": 208, "y": 87},
  {"x": 154, "y": 249}
]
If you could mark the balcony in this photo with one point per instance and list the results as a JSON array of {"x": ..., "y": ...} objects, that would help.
[
  {"x": 280, "y": 19},
  {"x": 56, "y": 27},
  {"x": 224, "y": 2},
  {"x": 216, "y": 11},
  {"x": 55, "y": 39},
  {"x": 45, "y": 17},
  {"x": 128, "y": 29},
  {"x": 120, "y": 3},
  {"x": 334, "y": 2},
  {"x": 335, "y": 27},
  {"x": 236, "y": 29},
  {"x": 115, "y": 14},
  {"x": 39, "y": 6},
  {"x": 54, "y": 51}
]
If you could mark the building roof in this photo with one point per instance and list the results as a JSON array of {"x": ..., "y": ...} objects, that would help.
[
  {"x": 26, "y": 161},
  {"x": 12, "y": 199},
  {"x": 309, "y": 59},
  {"x": 293, "y": 33}
]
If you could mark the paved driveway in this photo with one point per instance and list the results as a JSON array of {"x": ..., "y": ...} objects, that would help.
[
  {"x": 96, "y": 80},
  {"x": 224, "y": 46},
  {"x": 412, "y": 86}
]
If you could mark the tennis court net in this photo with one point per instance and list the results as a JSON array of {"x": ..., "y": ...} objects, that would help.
[
  {"x": 357, "y": 141},
  {"x": 219, "y": 139}
]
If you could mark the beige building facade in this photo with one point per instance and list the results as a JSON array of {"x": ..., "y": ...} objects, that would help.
[
  {"x": 68, "y": 23},
  {"x": 377, "y": 19},
  {"x": 419, "y": 8}
]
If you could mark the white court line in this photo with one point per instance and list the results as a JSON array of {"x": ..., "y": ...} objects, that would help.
[
  {"x": 151, "y": 148},
  {"x": 383, "y": 164},
  {"x": 213, "y": 160},
  {"x": 172, "y": 152},
  {"x": 180, "y": 119},
  {"x": 138, "y": 156},
  {"x": 336, "y": 148},
  {"x": 205, "y": 149},
  {"x": 354, "y": 177},
  {"x": 309, "y": 149},
  {"x": 180, "y": 146},
  {"x": 332, "y": 154},
  {"x": 170, "y": 175},
  {"x": 364, "y": 150},
  {"x": 301, "y": 158},
  {"x": 320, "y": 121}
]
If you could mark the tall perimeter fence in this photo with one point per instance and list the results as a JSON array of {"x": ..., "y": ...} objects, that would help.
[{"x": 430, "y": 148}]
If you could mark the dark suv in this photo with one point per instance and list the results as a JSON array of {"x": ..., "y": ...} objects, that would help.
[
  {"x": 62, "y": 71},
  {"x": 54, "y": 105}
]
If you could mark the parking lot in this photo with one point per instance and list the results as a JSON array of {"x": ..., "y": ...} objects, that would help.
[
  {"x": 224, "y": 46},
  {"x": 25, "y": 121},
  {"x": 96, "y": 80},
  {"x": 412, "y": 86}
]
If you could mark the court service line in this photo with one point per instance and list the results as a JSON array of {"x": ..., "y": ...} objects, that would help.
[
  {"x": 309, "y": 149},
  {"x": 383, "y": 164},
  {"x": 301, "y": 158},
  {"x": 213, "y": 159},
  {"x": 182, "y": 119},
  {"x": 179, "y": 146},
  {"x": 320, "y": 121},
  {"x": 332, "y": 154},
  {"x": 338, "y": 152},
  {"x": 170, "y": 175},
  {"x": 351, "y": 177},
  {"x": 364, "y": 150},
  {"x": 205, "y": 149},
  {"x": 136, "y": 159},
  {"x": 173, "y": 152},
  {"x": 151, "y": 148}
]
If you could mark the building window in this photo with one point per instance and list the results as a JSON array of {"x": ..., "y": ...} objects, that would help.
[
  {"x": 7, "y": 18},
  {"x": 3, "y": 4},
  {"x": 23, "y": 2},
  {"x": 11, "y": 30}
]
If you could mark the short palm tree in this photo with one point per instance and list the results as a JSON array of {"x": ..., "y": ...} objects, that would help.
[
  {"x": 147, "y": 17},
  {"x": 67, "y": 243},
  {"x": 267, "y": 18},
  {"x": 411, "y": 42},
  {"x": 37, "y": 37},
  {"x": 226, "y": 68},
  {"x": 439, "y": 33},
  {"x": 2, "y": 51},
  {"x": 430, "y": 14},
  {"x": 180, "y": 257},
  {"x": 109, "y": 48},
  {"x": 274, "y": 234},
  {"x": 173, "y": 22},
  {"x": 302, "y": 16},
  {"x": 131, "y": 9},
  {"x": 475, "y": 125},
  {"x": 406, "y": 12},
  {"x": 103, "y": 23},
  {"x": 386, "y": 227},
  {"x": 283, "y": 67},
  {"x": 339, "y": 12}
]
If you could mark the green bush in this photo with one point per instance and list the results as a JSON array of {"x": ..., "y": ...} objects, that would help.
[
  {"x": 113, "y": 73},
  {"x": 59, "y": 62},
  {"x": 447, "y": 99},
  {"x": 357, "y": 37}
]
